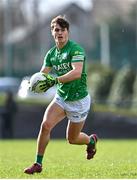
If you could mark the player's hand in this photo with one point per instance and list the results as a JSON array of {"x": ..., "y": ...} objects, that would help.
[{"x": 48, "y": 83}]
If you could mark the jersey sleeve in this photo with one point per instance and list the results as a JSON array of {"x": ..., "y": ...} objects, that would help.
[
  {"x": 77, "y": 54},
  {"x": 47, "y": 62}
]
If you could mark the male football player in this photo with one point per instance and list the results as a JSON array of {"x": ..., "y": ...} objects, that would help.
[{"x": 72, "y": 100}]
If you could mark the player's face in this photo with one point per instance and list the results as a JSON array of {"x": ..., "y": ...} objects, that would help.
[{"x": 60, "y": 35}]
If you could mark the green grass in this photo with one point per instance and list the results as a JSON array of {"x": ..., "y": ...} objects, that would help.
[{"x": 114, "y": 159}]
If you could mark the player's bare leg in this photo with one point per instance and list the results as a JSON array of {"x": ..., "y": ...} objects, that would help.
[
  {"x": 53, "y": 115},
  {"x": 75, "y": 136}
]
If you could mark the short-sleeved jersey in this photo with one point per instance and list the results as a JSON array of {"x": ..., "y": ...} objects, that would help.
[{"x": 61, "y": 61}]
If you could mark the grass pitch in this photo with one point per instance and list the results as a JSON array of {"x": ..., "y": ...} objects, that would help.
[{"x": 114, "y": 159}]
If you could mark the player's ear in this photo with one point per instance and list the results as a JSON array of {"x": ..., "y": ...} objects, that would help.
[{"x": 51, "y": 32}]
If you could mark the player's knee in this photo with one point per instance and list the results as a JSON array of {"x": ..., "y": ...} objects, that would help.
[{"x": 46, "y": 127}]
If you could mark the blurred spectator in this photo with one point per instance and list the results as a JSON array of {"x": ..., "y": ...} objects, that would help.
[{"x": 8, "y": 114}]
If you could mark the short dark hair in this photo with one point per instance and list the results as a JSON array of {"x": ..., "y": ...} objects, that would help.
[{"x": 61, "y": 21}]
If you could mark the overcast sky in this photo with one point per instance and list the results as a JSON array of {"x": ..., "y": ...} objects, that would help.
[
  {"x": 86, "y": 4},
  {"x": 49, "y": 6}
]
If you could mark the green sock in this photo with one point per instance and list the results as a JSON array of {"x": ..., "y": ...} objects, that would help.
[
  {"x": 39, "y": 159},
  {"x": 92, "y": 141}
]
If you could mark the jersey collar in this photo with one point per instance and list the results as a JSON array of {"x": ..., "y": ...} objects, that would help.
[{"x": 64, "y": 47}]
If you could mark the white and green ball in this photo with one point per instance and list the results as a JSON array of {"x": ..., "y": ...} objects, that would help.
[{"x": 36, "y": 81}]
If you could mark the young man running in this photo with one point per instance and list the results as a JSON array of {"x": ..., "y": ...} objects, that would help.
[{"x": 72, "y": 100}]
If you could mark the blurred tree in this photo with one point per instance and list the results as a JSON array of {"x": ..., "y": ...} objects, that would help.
[
  {"x": 122, "y": 88},
  {"x": 134, "y": 97},
  {"x": 100, "y": 79}
]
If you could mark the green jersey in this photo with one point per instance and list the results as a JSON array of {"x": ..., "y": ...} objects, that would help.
[{"x": 61, "y": 61}]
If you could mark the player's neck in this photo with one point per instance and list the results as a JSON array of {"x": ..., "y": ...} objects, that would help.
[{"x": 61, "y": 45}]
